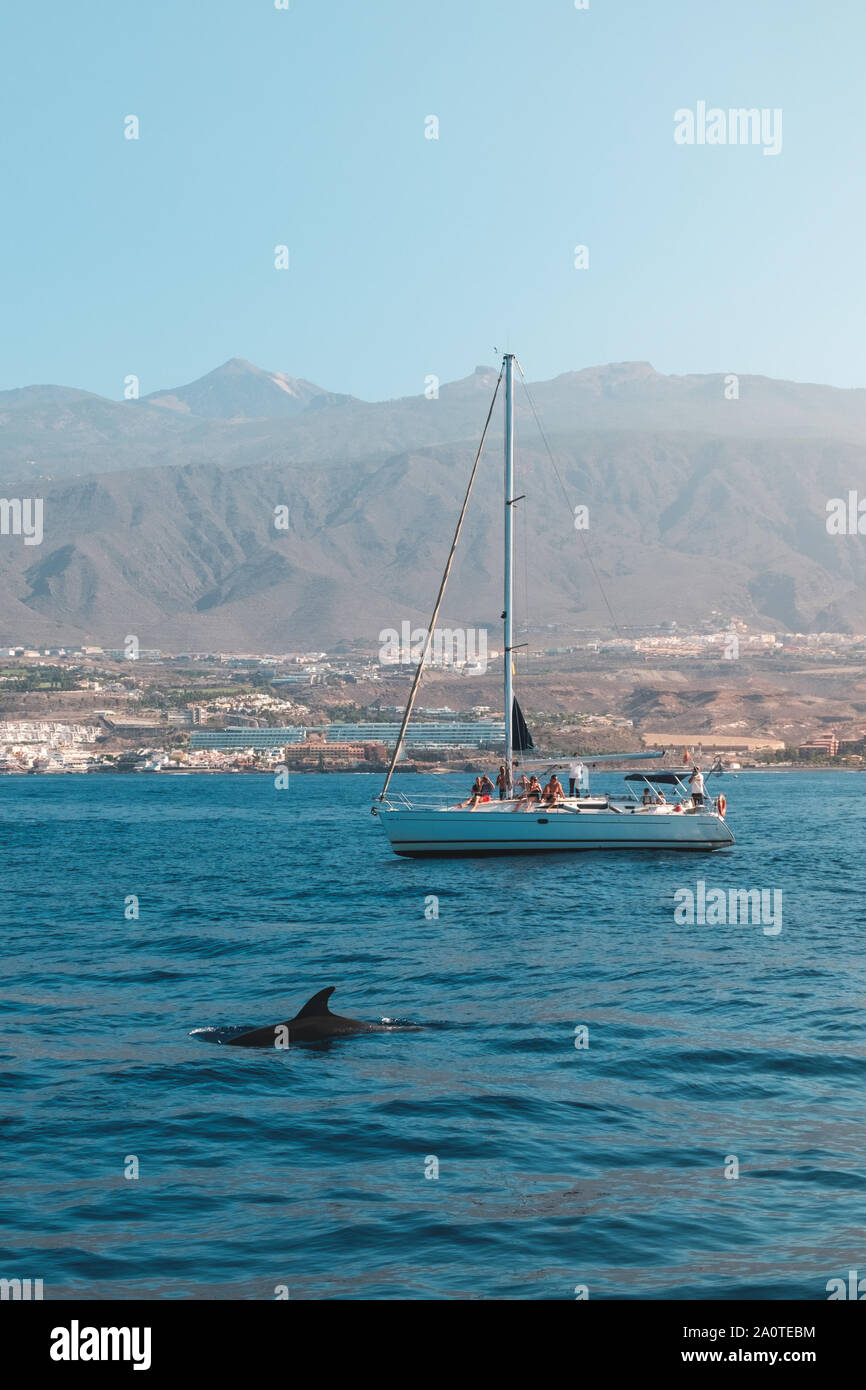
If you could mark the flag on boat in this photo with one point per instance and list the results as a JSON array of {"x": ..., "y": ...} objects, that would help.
[{"x": 521, "y": 738}]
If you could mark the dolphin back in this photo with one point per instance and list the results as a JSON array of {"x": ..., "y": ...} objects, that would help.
[
  {"x": 315, "y": 1008},
  {"x": 314, "y": 1022}
]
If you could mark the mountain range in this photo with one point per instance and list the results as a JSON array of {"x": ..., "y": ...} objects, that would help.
[{"x": 705, "y": 496}]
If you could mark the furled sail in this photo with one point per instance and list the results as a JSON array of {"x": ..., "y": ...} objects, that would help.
[{"x": 521, "y": 738}]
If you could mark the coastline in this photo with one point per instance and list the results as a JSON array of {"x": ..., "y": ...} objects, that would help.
[{"x": 362, "y": 771}]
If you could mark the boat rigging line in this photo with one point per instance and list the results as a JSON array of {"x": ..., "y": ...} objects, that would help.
[{"x": 398, "y": 746}]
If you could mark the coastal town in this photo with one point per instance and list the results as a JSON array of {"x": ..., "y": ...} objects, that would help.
[{"x": 754, "y": 699}]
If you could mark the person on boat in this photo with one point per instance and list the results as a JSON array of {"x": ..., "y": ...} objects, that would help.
[
  {"x": 696, "y": 782},
  {"x": 531, "y": 797},
  {"x": 502, "y": 783},
  {"x": 575, "y": 769},
  {"x": 475, "y": 797},
  {"x": 487, "y": 787},
  {"x": 648, "y": 798},
  {"x": 553, "y": 791}
]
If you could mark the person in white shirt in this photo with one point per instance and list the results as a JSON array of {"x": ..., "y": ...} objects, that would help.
[
  {"x": 696, "y": 782},
  {"x": 575, "y": 774}
]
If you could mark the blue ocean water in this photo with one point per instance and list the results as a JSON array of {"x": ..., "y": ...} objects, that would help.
[{"x": 557, "y": 1167}]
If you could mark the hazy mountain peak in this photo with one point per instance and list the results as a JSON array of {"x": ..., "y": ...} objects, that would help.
[{"x": 239, "y": 390}]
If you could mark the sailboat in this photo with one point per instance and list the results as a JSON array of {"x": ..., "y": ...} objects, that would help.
[{"x": 518, "y": 825}]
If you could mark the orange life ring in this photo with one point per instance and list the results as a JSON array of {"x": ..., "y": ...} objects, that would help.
[{"x": 721, "y": 804}]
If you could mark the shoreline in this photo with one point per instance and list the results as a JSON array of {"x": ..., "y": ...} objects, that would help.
[{"x": 358, "y": 771}]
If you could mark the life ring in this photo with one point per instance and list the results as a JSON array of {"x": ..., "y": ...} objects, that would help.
[{"x": 721, "y": 804}]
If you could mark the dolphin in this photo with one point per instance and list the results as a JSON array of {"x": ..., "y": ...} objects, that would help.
[{"x": 314, "y": 1022}]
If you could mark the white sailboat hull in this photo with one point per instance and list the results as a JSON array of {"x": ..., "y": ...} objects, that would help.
[{"x": 497, "y": 829}]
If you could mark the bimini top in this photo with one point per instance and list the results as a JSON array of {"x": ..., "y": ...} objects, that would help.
[{"x": 669, "y": 779}]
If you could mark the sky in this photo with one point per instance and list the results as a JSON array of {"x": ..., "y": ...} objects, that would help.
[{"x": 306, "y": 127}]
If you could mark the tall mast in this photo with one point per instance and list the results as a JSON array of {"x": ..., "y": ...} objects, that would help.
[{"x": 509, "y": 551}]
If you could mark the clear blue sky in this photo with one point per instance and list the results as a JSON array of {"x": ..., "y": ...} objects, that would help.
[{"x": 412, "y": 256}]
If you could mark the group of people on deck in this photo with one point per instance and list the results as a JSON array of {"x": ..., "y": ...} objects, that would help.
[
  {"x": 652, "y": 796},
  {"x": 527, "y": 792},
  {"x": 531, "y": 793}
]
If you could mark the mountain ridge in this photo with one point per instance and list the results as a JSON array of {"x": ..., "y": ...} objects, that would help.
[{"x": 161, "y": 522}]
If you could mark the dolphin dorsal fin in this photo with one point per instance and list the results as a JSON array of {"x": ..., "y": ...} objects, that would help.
[{"x": 318, "y": 1005}]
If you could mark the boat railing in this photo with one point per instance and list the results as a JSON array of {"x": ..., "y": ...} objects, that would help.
[{"x": 399, "y": 801}]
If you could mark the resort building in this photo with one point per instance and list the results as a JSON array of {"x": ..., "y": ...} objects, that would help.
[{"x": 451, "y": 733}]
